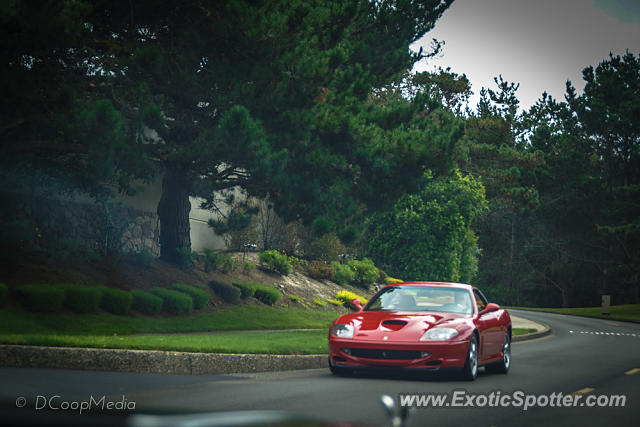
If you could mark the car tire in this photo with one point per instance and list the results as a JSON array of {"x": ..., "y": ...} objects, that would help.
[
  {"x": 341, "y": 372},
  {"x": 470, "y": 370},
  {"x": 503, "y": 366}
]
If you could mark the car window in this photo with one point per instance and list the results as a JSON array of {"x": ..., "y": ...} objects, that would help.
[
  {"x": 427, "y": 298},
  {"x": 481, "y": 301}
]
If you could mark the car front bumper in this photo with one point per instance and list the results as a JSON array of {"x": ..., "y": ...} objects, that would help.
[{"x": 349, "y": 353}]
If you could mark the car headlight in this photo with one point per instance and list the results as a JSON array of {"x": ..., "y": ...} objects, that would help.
[
  {"x": 342, "y": 331},
  {"x": 439, "y": 334}
]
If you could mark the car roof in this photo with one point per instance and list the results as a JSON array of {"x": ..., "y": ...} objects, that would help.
[{"x": 441, "y": 284}]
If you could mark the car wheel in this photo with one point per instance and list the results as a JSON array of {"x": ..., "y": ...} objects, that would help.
[
  {"x": 503, "y": 366},
  {"x": 470, "y": 370},
  {"x": 342, "y": 372}
]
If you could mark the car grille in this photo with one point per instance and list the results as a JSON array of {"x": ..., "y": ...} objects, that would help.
[{"x": 370, "y": 353}]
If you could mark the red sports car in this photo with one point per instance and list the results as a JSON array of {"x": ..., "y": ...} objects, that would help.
[{"x": 423, "y": 326}]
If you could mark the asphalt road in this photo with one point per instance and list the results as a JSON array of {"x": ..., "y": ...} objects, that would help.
[{"x": 585, "y": 356}]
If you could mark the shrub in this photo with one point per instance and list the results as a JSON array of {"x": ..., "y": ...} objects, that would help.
[
  {"x": 343, "y": 273},
  {"x": 146, "y": 302},
  {"x": 366, "y": 272},
  {"x": 345, "y": 298},
  {"x": 267, "y": 294},
  {"x": 298, "y": 263},
  {"x": 391, "y": 280},
  {"x": 247, "y": 289},
  {"x": 228, "y": 293},
  {"x": 294, "y": 297},
  {"x": 44, "y": 298},
  {"x": 334, "y": 302},
  {"x": 82, "y": 299},
  {"x": 199, "y": 296},
  {"x": 319, "y": 270},
  {"x": 277, "y": 261},
  {"x": 115, "y": 301},
  {"x": 263, "y": 293},
  {"x": 215, "y": 261},
  {"x": 4, "y": 291},
  {"x": 174, "y": 302},
  {"x": 327, "y": 248}
]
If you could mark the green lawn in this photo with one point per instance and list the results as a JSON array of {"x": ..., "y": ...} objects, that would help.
[
  {"x": 630, "y": 312},
  {"x": 111, "y": 331},
  {"x": 235, "y": 318},
  {"x": 289, "y": 342},
  {"x": 522, "y": 331}
]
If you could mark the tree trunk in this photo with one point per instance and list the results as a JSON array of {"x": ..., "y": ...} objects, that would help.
[{"x": 173, "y": 212}]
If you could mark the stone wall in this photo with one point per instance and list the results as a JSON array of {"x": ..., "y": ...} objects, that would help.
[{"x": 97, "y": 227}]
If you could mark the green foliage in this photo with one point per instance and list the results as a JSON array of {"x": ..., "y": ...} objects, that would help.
[
  {"x": 42, "y": 298},
  {"x": 343, "y": 273},
  {"x": 366, "y": 272},
  {"x": 263, "y": 293},
  {"x": 391, "y": 280},
  {"x": 82, "y": 298},
  {"x": 174, "y": 302},
  {"x": 298, "y": 263},
  {"x": 295, "y": 298},
  {"x": 115, "y": 301},
  {"x": 276, "y": 261},
  {"x": 327, "y": 248},
  {"x": 320, "y": 270},
  {"x": 4, "y": 291},
  {"x": 186, "y": 257},
  {"x": 423, "y": 237},
  {"x": 334, "y": 302},
  {"x": 247, "y": 290},
  {"x": 229, "y": 293},
  {"x": 345, "y": 298},
  {"x": 267, "y": 294},
  {"x": 146, "y": 302},
  {"x": 215, "y": 261},
  {"x": 200, "y": 296}
]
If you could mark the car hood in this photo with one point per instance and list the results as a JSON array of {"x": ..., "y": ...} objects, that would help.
[{"x": 400, "y": 326}]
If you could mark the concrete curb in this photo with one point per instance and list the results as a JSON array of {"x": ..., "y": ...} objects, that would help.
[
  {"x": 168, "y": 362},
  {"x": 157, "y": 362},
  {"x": 546, "y": 330}
]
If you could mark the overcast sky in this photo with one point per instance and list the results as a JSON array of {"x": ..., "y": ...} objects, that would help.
[{"x": 539, "y": 43}]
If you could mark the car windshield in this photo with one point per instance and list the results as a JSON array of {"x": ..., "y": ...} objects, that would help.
[{"x": 422, "y": 298}]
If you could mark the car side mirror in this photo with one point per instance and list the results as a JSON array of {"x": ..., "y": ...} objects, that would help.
[
  {"x": 491, "y": 307},
  {"x": 355, "y": 303}
]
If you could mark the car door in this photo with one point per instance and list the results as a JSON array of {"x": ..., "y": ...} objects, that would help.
[{"x": 491, "y": 334}]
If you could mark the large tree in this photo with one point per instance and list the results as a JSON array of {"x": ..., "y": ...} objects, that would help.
[{"x": 265, "y": 95}]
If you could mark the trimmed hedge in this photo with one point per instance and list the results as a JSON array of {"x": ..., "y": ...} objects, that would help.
[
  {"x": 247, "y": 289},
  {"x": 263, "y": 293},
  {"x": 115, "y": 301},
  {"x": 44, "y": 298},
  {"x": 146, "y": 302},
  {"x": 267, "y": 294},
  {"x": 175, "y": 302},
  {"x": 276, "y": 261},
  {"x": 228, "y": 293},
  {"x": 82, "y": 298},
  {"x": 199, "y": 296},
  {"x": 4, "y": 291}
]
